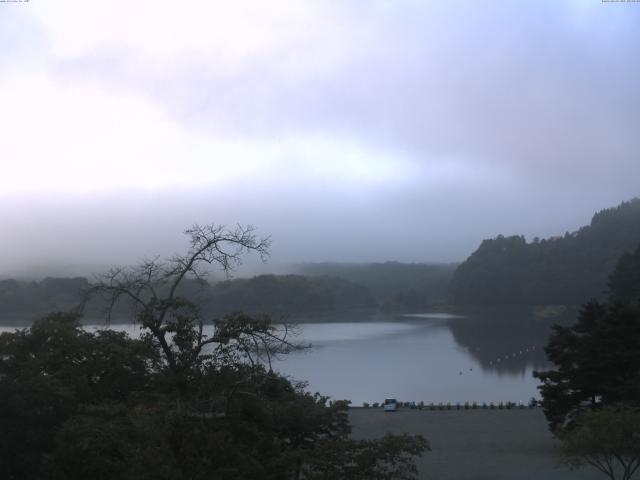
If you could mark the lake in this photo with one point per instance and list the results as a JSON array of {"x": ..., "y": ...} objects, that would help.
[
  {"x": 482, "y": 357},
  {"x": 433, "y": 358}
]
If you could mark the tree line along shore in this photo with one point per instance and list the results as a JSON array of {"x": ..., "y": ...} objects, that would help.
[{"x": 506, "y": 271}]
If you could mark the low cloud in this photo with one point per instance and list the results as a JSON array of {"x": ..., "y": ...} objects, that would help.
[{"x": 404, "y": 130}]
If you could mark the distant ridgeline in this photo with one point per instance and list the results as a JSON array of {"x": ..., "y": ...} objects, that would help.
[
  {"x": 564, "y": 270},
  {"x": 22, "y": 302},
  {"x": 395, "y": 286},
  {"x": 288, "y": 294},
  {"x": 27, "y": 300},
  {"x": 503, "y": 271},
  {"x": 323, "y": 288}
]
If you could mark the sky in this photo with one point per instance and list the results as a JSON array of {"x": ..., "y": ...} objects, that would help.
[{"x": 347, "y": 130}]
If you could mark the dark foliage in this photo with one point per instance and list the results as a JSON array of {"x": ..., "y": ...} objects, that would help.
[
  {"x": 277, "y": 294},
  {"x": 607, "y": 439},
  {"x": 181, "y": 403},
  {"x": 624, "y": 283},
  {"x": 559, "y": 270},
  {"x": 28, "y": 300},
  {"x": 396, "y": 286},
  {"x": 77, "y": 404},
  {"x": 289, "y": 294},
  {"x": 597, "y": 363},
  {"x": 597, "y": 359},
  {"x": 50, "y": 371}
]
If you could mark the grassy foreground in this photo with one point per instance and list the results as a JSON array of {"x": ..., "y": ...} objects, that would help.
[{"x": 475, "y": 444}]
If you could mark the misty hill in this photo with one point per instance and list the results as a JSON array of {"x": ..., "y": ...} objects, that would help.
[
  {"x": 394, "y": 285},
  {"x": 288, "y": 294},
  {"x": 22, "y": 302},
  {"x": 28, "y": 300},
  {"x": 558, "y": 270}
]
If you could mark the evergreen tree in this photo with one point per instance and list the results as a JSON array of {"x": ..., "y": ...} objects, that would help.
[
  {"x": 597, "y": 363},
  {"x": 597, "y": 359},
  {"x": 624, "y": 283},
  {"x": 559, "y": 270}
]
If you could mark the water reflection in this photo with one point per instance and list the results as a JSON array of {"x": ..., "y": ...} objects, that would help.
[
  {"x": 476, "y": 356},
  {"x": 483, "y": 356},
  {"x": 505, "y": 342}
]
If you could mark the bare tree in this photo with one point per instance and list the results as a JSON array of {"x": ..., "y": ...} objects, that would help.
[{"x": 152, "y": 289}]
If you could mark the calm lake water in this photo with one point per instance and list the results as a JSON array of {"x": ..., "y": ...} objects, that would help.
[{"x": 423, "y": 357}]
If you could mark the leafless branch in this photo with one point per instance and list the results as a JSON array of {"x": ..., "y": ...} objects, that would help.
[{"x": 152, "y": 285}]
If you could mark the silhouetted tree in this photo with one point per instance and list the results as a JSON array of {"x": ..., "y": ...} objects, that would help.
[
  {"x": 152, "y": 287},
  {"x": 597, "y": 363},
  {"x": 607, "y": 439},
  {"x": 49, "y": 372},
  {"x": 624, "y": 282},
  {"x": 596, "y": 359},
  {"x": 182, "y": 402}
]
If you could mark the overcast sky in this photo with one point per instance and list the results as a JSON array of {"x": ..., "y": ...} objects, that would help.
[{"x": 348, "y": 130}]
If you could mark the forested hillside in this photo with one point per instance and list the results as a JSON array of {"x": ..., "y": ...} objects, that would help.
[
  {"x": 394, "y": 285},
  {"x": 288, "y": 294},
  {"x": 22, "y": 302},
  {"x": 27, "y": 300},
  {"x": 502, "y": 271},
  {"x": 557, "y": 270}
]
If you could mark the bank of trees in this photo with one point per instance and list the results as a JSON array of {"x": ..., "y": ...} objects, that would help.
[
  {"x": 597, "y": 363},
  {"x": 22, "y": 300},
  {"x": 280, "y": 295},
  {"x": 290, "y": 295},
  {"x": 592, "y": 396},
  {"x": 181, "y": 402},
  {"x": 508, "y": 270},
  {"x": 395, "y": 286}
]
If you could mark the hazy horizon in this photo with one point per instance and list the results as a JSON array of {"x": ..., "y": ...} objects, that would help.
[{"x": 349, "y": 132}]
